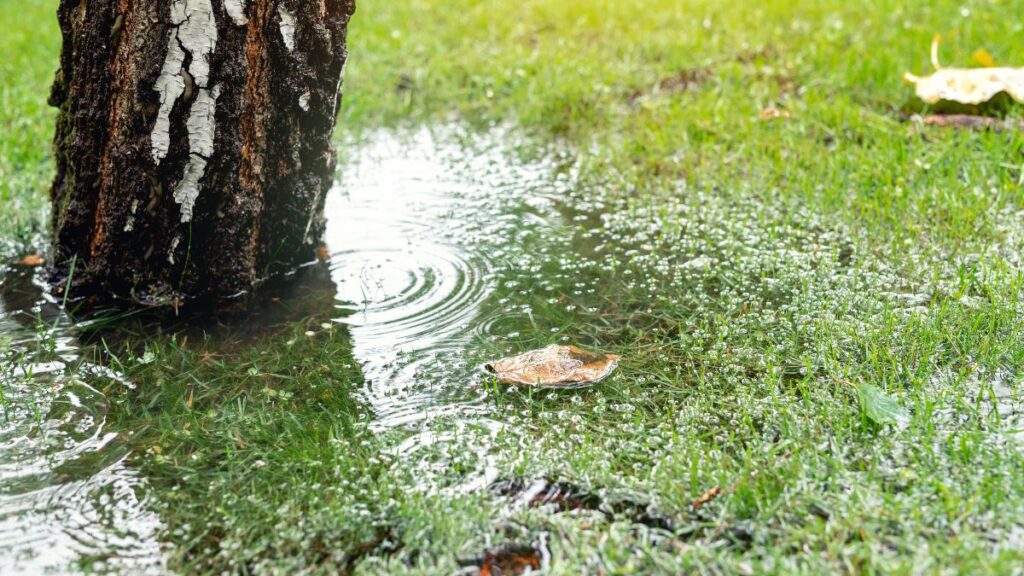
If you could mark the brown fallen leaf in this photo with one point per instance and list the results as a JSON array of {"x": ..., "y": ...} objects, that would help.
[
  {"x": 772, "y": 113},
  {"x": 968, "y": 86},
  {"x": 33, "y": 260},
  {"x": 510, "y": 560},
  {"x": 707, "y": 497},
  {"x": 323, "y": 254},
  {"x": 557, "y": 366}
]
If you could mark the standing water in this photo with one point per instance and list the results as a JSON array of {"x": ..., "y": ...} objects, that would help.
[
  {"x": 66, "y": 495},
  {"x": 421, "y": 233},
  {"x": 427, "y": 257}
]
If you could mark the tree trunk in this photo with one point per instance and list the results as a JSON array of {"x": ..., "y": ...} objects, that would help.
[{"x": 193, "y": 144}]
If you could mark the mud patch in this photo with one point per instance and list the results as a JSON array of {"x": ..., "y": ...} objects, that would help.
[
  {"x": 972, "y": 122},
  {"x": 674, "y": 84},
  {"x": 562, "y": 497},
  {"x": 384, "y": 543}
]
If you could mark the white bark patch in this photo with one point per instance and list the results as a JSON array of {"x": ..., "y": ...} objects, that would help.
[
  {"x": 312, "y": 217},
  {"x": 236, "y": 12},
  {"x": 201, "y": 122},
  {"x": 304, "y": 101},
  {"x": 202, "y": 128},
  {"x": 130, "y": 224},
  {"x": 170, "y": 85},
  {"x": 194, "y": 33},
  {"x": 287, "y": 27},
  {"x": 188, "y": 188},
  {"x": 337, "y": 89},
  {"x": 197, "y": 33}
]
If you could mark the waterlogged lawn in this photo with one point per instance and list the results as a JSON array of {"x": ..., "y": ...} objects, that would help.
[{"x": 600, "y": 173}]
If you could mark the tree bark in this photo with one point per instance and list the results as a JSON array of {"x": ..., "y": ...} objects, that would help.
[{"x": 193, "y": 144}]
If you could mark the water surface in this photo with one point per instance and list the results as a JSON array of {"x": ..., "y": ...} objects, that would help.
[
  {"x": 427, "y": 235},
  {"x": 67, "y": 497},
  {"x": 444, "y": 251}
]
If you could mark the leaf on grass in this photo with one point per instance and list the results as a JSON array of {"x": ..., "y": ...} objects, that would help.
[
  {"x": 558, "y": 366},
  {"x": 879, "y": 407},
  {"x": 772, "y": 113},
  {"x": 511, "y": 559},
  {"x": 971, "y": 86},
  {"x": 707, "y": 497},
  {"x": 967, "y": 86}
]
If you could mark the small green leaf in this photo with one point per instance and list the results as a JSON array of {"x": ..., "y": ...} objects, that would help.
[{"x": 880, "y": 407}]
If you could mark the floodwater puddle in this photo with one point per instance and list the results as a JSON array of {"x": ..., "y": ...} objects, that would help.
[
  {"x": 421, "y": 236},
  {"x": 67, "y": 497},
  {"x": 978, "y": 402}
]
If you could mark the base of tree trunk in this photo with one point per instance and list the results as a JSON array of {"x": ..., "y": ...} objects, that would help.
[{"x": 193, "y": 144}]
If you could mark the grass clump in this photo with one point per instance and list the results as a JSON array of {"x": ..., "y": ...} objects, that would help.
[{"x": 260, "y": 457}]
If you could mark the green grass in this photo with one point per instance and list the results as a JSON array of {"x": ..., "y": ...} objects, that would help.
[
  {"x": 755, "y": 274},
  {"x": 31, "y": 42}
]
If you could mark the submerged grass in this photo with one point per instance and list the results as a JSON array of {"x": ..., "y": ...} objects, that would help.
[
  {"x": 258, "y": 457},
  {"x": 755, "y": 273}
]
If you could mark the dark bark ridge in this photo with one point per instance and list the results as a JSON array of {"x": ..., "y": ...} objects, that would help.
[{"x": 193, "y": 144}]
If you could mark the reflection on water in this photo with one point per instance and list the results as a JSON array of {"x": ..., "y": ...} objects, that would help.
[
  {"x": 406, "y": 284},
  {"x": 417, "y": 229},
  {"x": 66, "y": 496}
]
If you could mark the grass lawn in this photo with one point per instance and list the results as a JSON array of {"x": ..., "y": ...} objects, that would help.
[{"x": 762, "y": 231}]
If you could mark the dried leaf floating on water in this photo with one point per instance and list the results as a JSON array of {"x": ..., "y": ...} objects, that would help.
[
  {"x": 967, "y": 86},
  {"x": 554, "y": 366}
]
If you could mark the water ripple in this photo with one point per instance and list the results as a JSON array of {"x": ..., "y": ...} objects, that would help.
[
  {"x": 418, "y": 231},
  {"x": 68, "y": 501}
]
